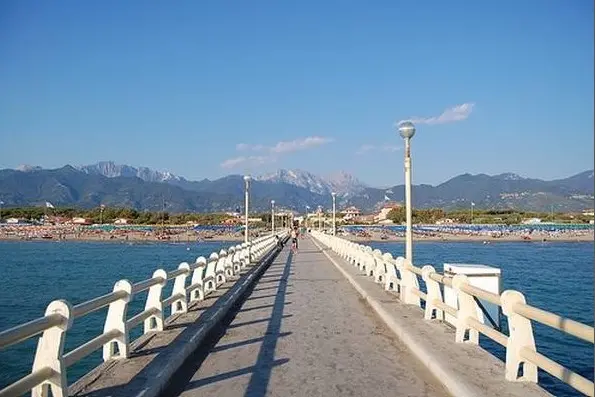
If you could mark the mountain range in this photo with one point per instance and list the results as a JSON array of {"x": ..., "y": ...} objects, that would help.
[{"x": 146, "y": 189}]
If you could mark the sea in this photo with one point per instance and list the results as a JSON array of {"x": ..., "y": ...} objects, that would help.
[{"x": 557, "y": 276}]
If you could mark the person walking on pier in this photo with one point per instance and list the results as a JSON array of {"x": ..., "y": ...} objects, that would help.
[{"x": 294, "y": 239}]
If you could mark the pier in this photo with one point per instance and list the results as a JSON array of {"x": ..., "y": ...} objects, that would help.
[{"x": 335, "y": 318}]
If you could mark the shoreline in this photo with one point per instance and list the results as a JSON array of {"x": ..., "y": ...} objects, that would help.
[
  {"x": 180, "y": 239},
  {"x": 472, "y": 239}
]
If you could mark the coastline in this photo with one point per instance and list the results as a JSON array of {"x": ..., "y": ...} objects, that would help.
[
  {"x": 239, "y": 238},
  {"x": 69, "y": 233},
  {"x": 473, "y": 239}
]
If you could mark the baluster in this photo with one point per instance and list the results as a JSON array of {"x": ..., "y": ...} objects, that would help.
[
  {"x": 180, "y": 305},
  {"x": 520, "y": 333},
  {"x": 50, "y": 351},
  {"x": 433, "y": 294},
  {"x": 155, "y": 322},
  {"x": 116, "y": 319}
]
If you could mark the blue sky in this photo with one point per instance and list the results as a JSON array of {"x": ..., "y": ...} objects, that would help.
[{"x": 209, "y": 88}]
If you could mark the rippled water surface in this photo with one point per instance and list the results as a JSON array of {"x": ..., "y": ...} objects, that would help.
[
  {"x": 556, "y": 276},
  {"x": 553, "y": 276}
]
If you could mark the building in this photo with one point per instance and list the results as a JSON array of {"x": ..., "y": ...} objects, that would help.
[
  {"x": 351, "y": 213},
  {"x": 531, "y": 221},
  {"x": 121, "y": 221},
  {"x": 445, "y": 221},
  {"x": 364, "y": 219},
  {"x": 80, "y": 221},
  {"x": 589, "y": 212},
  {"x": 232, "y": 221},
  {"x": 384, "y": 211}
]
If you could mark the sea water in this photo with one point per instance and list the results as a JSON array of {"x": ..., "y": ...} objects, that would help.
[{"x": 553, "y": 276}]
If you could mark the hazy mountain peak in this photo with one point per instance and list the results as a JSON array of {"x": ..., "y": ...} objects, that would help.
[
  {"x": 342, "y": 183},
  {"x": 28, "y": 168},
  {"x": 510, "y": 176},
  {"x": 112, "y": 170}
]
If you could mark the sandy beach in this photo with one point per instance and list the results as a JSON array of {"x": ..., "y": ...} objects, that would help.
[
  {"x": 185, "y": 235},
  {"x": 472, "y": 238},
  {"x": 72, "y": 233}
]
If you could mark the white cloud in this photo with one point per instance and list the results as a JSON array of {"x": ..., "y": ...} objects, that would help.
[
  {"x": 240, "y": 147},
  {"x": 367, "y": 148},
  {"x": 451, "y": 115},
  {"x": 273, "y": 151},
  {"x": 299, "y": 144},
  {"x": 236, "y": 161}
]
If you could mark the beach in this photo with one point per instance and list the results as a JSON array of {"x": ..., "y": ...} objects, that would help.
[
  {"x": 133, "y": 234},
  {"x": 486, "y": 235},
  {"x": 187, "y": 234}
]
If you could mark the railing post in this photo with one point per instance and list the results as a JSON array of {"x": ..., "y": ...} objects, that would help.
[
  {"x": 198, "y": 293},
  {"x": 433, "y": 294},
  {"x": 116, "y": 319},
  {"x": 408, "y": 282},
  {"x": 210, "y": 281},
  {"x": 467, "y": 309},
  {"x": 154, "y": 302},
  {"x": 220, "y": 267},
  {"x": 229, "y": 270},
  {"x": 50, "y": 349},
  {"x": 520, "y": 333},
  {"x": 180, "y": 305},
  {"x": 237, "y": 260},
  {"x": 244, "y": 255}
]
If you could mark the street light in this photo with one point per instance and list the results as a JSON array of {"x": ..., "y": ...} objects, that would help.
[
  {"x": 273, "y": 217},
  {"x": 334, "y": 210},
  {"x": 319, "y": 218},
  {"x": 407, "y": 130},
  {"x": 101, "y": 208},
  {"x": 472, "y": 205},
  {"x": 246, "y": 203}
]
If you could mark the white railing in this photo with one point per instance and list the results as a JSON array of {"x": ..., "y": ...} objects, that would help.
[
  {"x": 50, "y": 362},
  {"x": 401, "y": 276}
]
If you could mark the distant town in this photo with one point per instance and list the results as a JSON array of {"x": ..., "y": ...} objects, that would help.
[{"x": 391, "y": 213}]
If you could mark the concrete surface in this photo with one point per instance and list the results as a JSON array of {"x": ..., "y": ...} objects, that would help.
[
  {"x": 464, "y": 369},
  {"x": 303, "y": 331},
  {"x": 157, "y": 355}
]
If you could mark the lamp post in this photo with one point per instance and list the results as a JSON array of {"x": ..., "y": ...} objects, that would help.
[
  {"x": 334, "y": 211},
  {"x": 472, "y": 205},
  {"x": 407, "y": 130},
  {"x": 246, "y": 203},
  {"x": 319, "y": 218},
  {"x": 273, "y": 217},
  {"x": 1, "y": 203},
  {"x": 101, "y": 208}
]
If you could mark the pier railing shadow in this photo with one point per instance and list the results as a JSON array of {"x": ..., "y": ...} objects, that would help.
[{"x": 265, "y": 362}]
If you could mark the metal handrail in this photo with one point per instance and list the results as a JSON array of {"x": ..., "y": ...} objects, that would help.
[
  {"x": 27, "y": 382},
  {"x": 571, "y": 327},
  {"x": 566, "y": 325},
  {"x": 89, "y": 347},
  {"x": 37, "y": 326},
  {"x": 145, "y": 284},
  {"x": 25, "y": 331},
  {"x": 95, "y": 304}
]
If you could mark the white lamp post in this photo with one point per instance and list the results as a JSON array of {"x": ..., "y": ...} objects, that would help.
[
  {"x": 472, "y": 205},
  {"x": 319, "y": 218},
  {"x": 407, "y": 130},
  {"x": 273, "y": 217},
  {"x": 246, "y": 203},
  {"x": 334, "y": 211}
]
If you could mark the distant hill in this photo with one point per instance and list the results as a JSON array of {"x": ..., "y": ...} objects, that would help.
[{"x": 145, "y": 189}]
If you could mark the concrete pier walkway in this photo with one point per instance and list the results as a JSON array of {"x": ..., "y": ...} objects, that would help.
[{"x": 304, "y": 331}]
